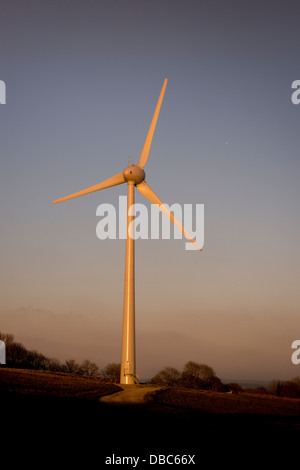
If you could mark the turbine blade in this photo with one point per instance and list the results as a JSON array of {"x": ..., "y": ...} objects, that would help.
[
  {"x": 113, "y": 181},
  {"x": 147, "y": 144},
  {"x": 146, "y": 191}
]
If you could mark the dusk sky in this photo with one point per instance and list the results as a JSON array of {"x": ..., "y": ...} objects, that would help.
[{"x": 82, "y": 81}]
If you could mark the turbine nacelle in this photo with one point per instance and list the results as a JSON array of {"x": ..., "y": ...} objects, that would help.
[{"x": 134, "y": 173}]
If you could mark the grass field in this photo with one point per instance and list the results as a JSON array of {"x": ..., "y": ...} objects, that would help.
[
  {"x": 225, "y": 403},
  {"x": 58, "y": 418},
  {"x": 63, "y": 385},
  {"x": 55, "y": 384}
]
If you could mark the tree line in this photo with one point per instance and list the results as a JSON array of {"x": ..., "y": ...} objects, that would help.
[
  {"x": 19, "y": 357},
  {"x": 201, "y": 376},
  {"x": 194, "y": 375},
  {"x": 285, "y": 388}
]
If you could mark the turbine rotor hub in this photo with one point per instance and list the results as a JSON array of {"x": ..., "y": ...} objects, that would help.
[{"x": 134, "y": 173}]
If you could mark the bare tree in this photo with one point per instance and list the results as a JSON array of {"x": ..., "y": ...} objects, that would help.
[
  {"x": 54, "y": 365},
  {"x": 16, "y": 355},
  {"x": 167, "y": 376},
  {"x": 89, "y": 368},
  {"x": 36, "y": 360},
  {"x": 72, "y": 366},
  {"x": 197, "y": 375},
  {"x": 7, "y": 338},
  {"x": 275, "y": 387},
  {"x": 112, "y": 372},
  {"x": 290, "y": 388}
]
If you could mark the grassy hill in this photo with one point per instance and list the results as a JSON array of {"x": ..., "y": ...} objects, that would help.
[
  {"x": 57, "y": 417},
  {"x": 53, "y": 384},
  {"x": 226, "y": 403},
  {"x": 15, "y": 383}
]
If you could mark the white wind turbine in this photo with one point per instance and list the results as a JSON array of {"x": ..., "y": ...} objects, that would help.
[{"x": 134, "y": 176}]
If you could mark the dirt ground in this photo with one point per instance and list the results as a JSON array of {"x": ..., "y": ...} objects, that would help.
[{"x": 131, "y": 394}]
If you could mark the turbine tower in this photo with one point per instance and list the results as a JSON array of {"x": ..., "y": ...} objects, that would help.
[{"x": 134, "y": 176}]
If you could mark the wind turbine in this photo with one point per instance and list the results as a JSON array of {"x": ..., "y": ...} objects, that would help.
[{"x": 134, "y": 176}]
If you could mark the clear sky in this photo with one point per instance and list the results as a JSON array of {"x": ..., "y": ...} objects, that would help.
[{"x": 82, "y": 80}]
